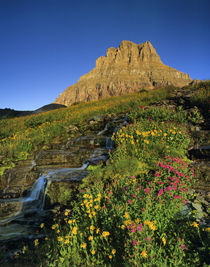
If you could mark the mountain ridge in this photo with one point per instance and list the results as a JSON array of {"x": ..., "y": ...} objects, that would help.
[{"x": 126, "y": 69}]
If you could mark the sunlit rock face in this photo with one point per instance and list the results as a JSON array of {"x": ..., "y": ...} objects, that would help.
[{"x": 129, "y": 68}]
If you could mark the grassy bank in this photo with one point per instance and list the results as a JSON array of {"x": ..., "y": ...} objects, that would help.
[
  {"x": 131, "y": 211},
  {"x": 19, "y": 137}
]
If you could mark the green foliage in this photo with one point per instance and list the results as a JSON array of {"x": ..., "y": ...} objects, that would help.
[
  {"x": 158, "y": 114},
  {"x": 130, "y": 221},
  {"x": 195, "y": 116},
  {"x": 201, "y": 97}
]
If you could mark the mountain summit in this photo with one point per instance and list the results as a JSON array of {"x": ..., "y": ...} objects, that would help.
[{"x": 126, "y": 69}]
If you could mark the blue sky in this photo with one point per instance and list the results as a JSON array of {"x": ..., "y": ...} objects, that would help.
[{"x": 45, "y": 46}]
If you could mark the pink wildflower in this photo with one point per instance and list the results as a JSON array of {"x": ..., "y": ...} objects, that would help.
[
  {"x": 140, "y": 227},
  {"x": 160, "y": 192},
  {"x": 183, "y": 247},
  {"x": 134, "y": 242}
]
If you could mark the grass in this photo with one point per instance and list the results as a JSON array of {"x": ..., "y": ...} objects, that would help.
[
  {"x": 20, "y": 137},
  {"x": 130, "y": 211}
]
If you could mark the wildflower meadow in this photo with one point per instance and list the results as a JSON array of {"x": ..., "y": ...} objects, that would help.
[{"x": 133, "y": 209}]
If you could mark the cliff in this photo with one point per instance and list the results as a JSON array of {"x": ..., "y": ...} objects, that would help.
[{"x": 126, "y": 69}]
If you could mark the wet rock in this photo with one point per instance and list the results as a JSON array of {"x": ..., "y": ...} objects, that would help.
[
  {"x": 72, "y": 129},
  {"x": 202, "y": 184},
  {"x": 202, "y": 152}
]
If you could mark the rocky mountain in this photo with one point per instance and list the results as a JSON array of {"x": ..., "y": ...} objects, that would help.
[{"x": 127, "y": 69}]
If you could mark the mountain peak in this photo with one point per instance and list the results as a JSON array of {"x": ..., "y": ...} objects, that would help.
[{"x": 125, "y": 69}]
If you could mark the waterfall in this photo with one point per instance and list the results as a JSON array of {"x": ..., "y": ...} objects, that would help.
[
  {"x": 104, "y": 130},
  {"x": 37, "y": 194}
]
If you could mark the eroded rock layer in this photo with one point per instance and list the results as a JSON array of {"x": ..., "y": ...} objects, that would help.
[{"x": 127, "y": 69}]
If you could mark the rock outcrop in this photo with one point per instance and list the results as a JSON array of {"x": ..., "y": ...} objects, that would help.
[{"x": 127, "y": 69}]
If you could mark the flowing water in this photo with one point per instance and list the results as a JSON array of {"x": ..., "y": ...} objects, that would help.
[{"x": 20, "y": 217}]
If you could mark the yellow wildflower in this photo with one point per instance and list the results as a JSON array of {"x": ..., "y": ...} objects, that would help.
[
  {"x": 113, "y": 251},
  {"x": 164, "y": 241},
  {"x": 126, "y": 215},
  {"x": 93, "y": 252},
  {"x": 69, "y": 221},
  {"x": 74, "y": 231},
  {"x": 195, "y": 224},
  {"x": 66, "y": 241},
  {"x": 110, "y": 256},
  {"x": 54, "y": 226},
  {"x": 92, "y": 227},
  {"x": 105, "y": 234},
  {"x": 97, "y": 230},
  {"x": 152, "y": 226},
  {"x": 41, "y": 225},
  {"x": 144, "y": 254},
  {"x": 24, "y": 249},
  {"x": 58, "y": 231},
  {"x": 60, "y": 238},
  {"x": 96, "y": 207},
  {"x": 36, "y": 242},
  {"x": 94, "y": 213},
  {"x": 83, "y": 245},
  {"x": 146, "y": 222},
  {"x": 90, "y": 237}
]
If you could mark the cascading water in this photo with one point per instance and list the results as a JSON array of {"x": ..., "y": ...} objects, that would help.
[
  {"x": 23, "y": 215},
  {"x": 37, "y": 195}
]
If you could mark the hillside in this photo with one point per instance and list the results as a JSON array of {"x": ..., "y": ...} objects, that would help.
[
  {"x": 122, "y": 180},
  {"x": 11, "y": 113}
]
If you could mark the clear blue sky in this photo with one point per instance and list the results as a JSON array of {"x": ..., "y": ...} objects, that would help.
[{"x": 46, "y": 45}]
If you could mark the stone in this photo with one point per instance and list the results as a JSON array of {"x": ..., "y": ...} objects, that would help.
[
  {"x": 72, "y": 129},
  {"x": 129, "y": 68}
]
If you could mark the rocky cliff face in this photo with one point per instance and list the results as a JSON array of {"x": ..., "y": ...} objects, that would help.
[{"x": 126, "y": 69}]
